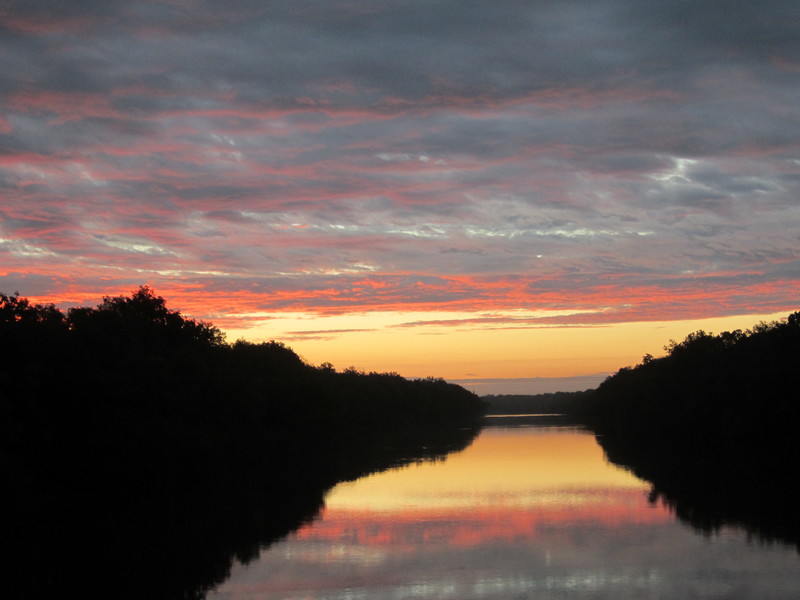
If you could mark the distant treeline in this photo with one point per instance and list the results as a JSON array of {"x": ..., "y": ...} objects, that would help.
[
  {"x": 550, "y": 403},
  {"x": 131, "y": 404},
  {"x": 713, "y": 426}
]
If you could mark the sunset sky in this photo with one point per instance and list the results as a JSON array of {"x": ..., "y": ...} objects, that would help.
[{"x": 519, "y": 196}]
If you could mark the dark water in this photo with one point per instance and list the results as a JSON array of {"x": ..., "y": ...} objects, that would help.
[{"x": 528, "y": 511}]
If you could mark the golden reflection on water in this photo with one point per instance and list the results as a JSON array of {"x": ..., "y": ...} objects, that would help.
[
  {"x": 523, "y": 467},
  {"x": 522, "y": 513}
]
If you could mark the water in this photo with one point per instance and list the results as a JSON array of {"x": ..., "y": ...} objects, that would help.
[{"x": 524, "y": 512}]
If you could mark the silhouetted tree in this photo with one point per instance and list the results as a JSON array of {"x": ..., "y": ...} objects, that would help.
[
  {"x": 731, "y": 385},
  {"x": 712, "y": 425},
  {"x": 132, "y": 405}
]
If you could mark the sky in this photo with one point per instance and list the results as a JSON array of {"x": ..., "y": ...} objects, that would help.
[{"x": 513, "y": 195}]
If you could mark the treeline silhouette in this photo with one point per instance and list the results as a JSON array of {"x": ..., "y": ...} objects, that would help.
[
  {"x": 129, "y": 420},
  {"x": 736, "y": 385},
  {"x": 547, "y": 403},
  {"x": 713, "y": 426}
]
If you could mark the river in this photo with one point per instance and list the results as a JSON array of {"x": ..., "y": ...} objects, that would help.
[{"x": 529, "y": 511}]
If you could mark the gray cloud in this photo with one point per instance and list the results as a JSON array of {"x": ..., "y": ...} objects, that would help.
[{"x": 301, "y": 147}]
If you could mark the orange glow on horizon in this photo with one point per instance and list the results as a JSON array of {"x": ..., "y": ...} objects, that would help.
[
  {"x": 378, "y": 341},
  {"x": 457, "y": 344}
]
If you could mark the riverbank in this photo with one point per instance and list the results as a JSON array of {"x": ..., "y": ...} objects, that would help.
[
  {"x": 130, "y": 431},
  {"x": 180, "y": 545},
  {"x": 712, "y": 425}
]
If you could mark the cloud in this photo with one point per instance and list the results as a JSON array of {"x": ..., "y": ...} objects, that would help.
[{"x": 622, "y": 160}]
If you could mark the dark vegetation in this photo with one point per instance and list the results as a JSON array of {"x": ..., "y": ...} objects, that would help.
[
  {"x": 713, "y": 426},
  {"x": 733, "y": 386},
  {"x": 140, "y": 453}
]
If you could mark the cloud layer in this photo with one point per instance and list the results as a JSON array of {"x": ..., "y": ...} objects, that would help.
[{"x": 621, "y": 160}]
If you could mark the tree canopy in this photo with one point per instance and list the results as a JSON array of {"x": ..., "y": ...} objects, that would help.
[
  {"x": 131, "y": 404},
  {"x": 712, "y": 426},
  {"x": 731, "y": 385}
]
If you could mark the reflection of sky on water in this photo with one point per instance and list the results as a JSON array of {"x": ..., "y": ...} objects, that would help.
[
  {"x": 519, "y": 514},
  {"x": 519, "y": 466}
]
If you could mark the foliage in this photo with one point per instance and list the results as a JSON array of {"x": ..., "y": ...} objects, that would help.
[
  {"x": 711, "y": 425},
  {"x": 131, "y": 382},
  {"x": 130, "y": 404},
  {"x": 736, "y": 385},
  {"x": 547, "y": 403}
]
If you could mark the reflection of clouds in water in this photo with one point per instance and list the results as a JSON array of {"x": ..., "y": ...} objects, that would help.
[
  {"x": 334, "y": 553},
  {"x": 594, "y": 580},
  {"x": 664, "y": 561},
  {"x": 547, "y": 543}
]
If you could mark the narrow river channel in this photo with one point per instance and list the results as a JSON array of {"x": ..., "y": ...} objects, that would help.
[{"x": 524, "y": 512}]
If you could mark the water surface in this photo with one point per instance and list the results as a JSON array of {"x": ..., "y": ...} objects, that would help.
[{"x": 524, "y": 512}]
